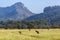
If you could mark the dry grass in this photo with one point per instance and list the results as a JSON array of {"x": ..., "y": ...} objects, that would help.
[{"x": 45, "y": 34}]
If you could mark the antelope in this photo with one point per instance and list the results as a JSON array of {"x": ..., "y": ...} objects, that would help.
[
  {"x": 20, "y": 32},
  {"x": 37, "y": 32}
]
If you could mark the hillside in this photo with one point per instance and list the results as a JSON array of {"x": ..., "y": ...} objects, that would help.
[
  {"x": 51, "y": 14},
  {"x": 15, "y": 12}
]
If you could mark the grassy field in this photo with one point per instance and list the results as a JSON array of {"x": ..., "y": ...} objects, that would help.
[{"x": 45, "y": 34}]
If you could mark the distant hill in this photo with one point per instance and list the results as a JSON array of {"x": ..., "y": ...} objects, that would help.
[
  {"x": 51, "y": 14},
  {"x": 50, "y": 18},
  {"x": 15, "y": 12}
]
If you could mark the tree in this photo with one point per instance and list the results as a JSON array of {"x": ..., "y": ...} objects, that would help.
[
  {"x": 17, "y": 25},
  {"x": 1, "y": 22}
]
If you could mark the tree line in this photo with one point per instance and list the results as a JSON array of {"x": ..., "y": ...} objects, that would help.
[{"x": 28, "y": 24}]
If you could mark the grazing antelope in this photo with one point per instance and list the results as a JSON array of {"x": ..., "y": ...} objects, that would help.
[
  {"x": 37, "y": 32},
  {"x": 20, "y": 32},
  {"x": 47, "y": 28},
  {"x": 29, "y": 29}
]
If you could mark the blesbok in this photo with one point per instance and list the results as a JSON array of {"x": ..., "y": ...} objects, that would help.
[
  {"x": 20, "y": 32},
  {"x": 37, "y": 32}
]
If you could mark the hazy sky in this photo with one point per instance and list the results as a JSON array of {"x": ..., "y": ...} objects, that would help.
[{"x": 36, "y": 6}]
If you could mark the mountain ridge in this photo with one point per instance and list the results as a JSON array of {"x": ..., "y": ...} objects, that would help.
[
  {"x": 51, "y": 14},
  {"x": 17, "y": 12}
]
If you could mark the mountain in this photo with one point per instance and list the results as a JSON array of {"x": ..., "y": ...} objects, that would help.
[
  {"x": 15, "y": 12},
  {"x": 51, "y": 14}
]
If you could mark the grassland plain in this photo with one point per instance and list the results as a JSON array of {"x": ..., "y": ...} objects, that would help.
[{"x": 45, "y": 34}]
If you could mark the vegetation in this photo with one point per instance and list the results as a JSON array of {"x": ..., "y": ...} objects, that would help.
[
  {"x": 28, "y": 24},
  {"x": 52, "y": 34}
]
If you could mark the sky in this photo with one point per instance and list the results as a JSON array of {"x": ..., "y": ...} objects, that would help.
[{"x": 35, "y": 6}]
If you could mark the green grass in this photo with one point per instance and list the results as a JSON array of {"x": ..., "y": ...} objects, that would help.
[{"x": 45, "y": 34}]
